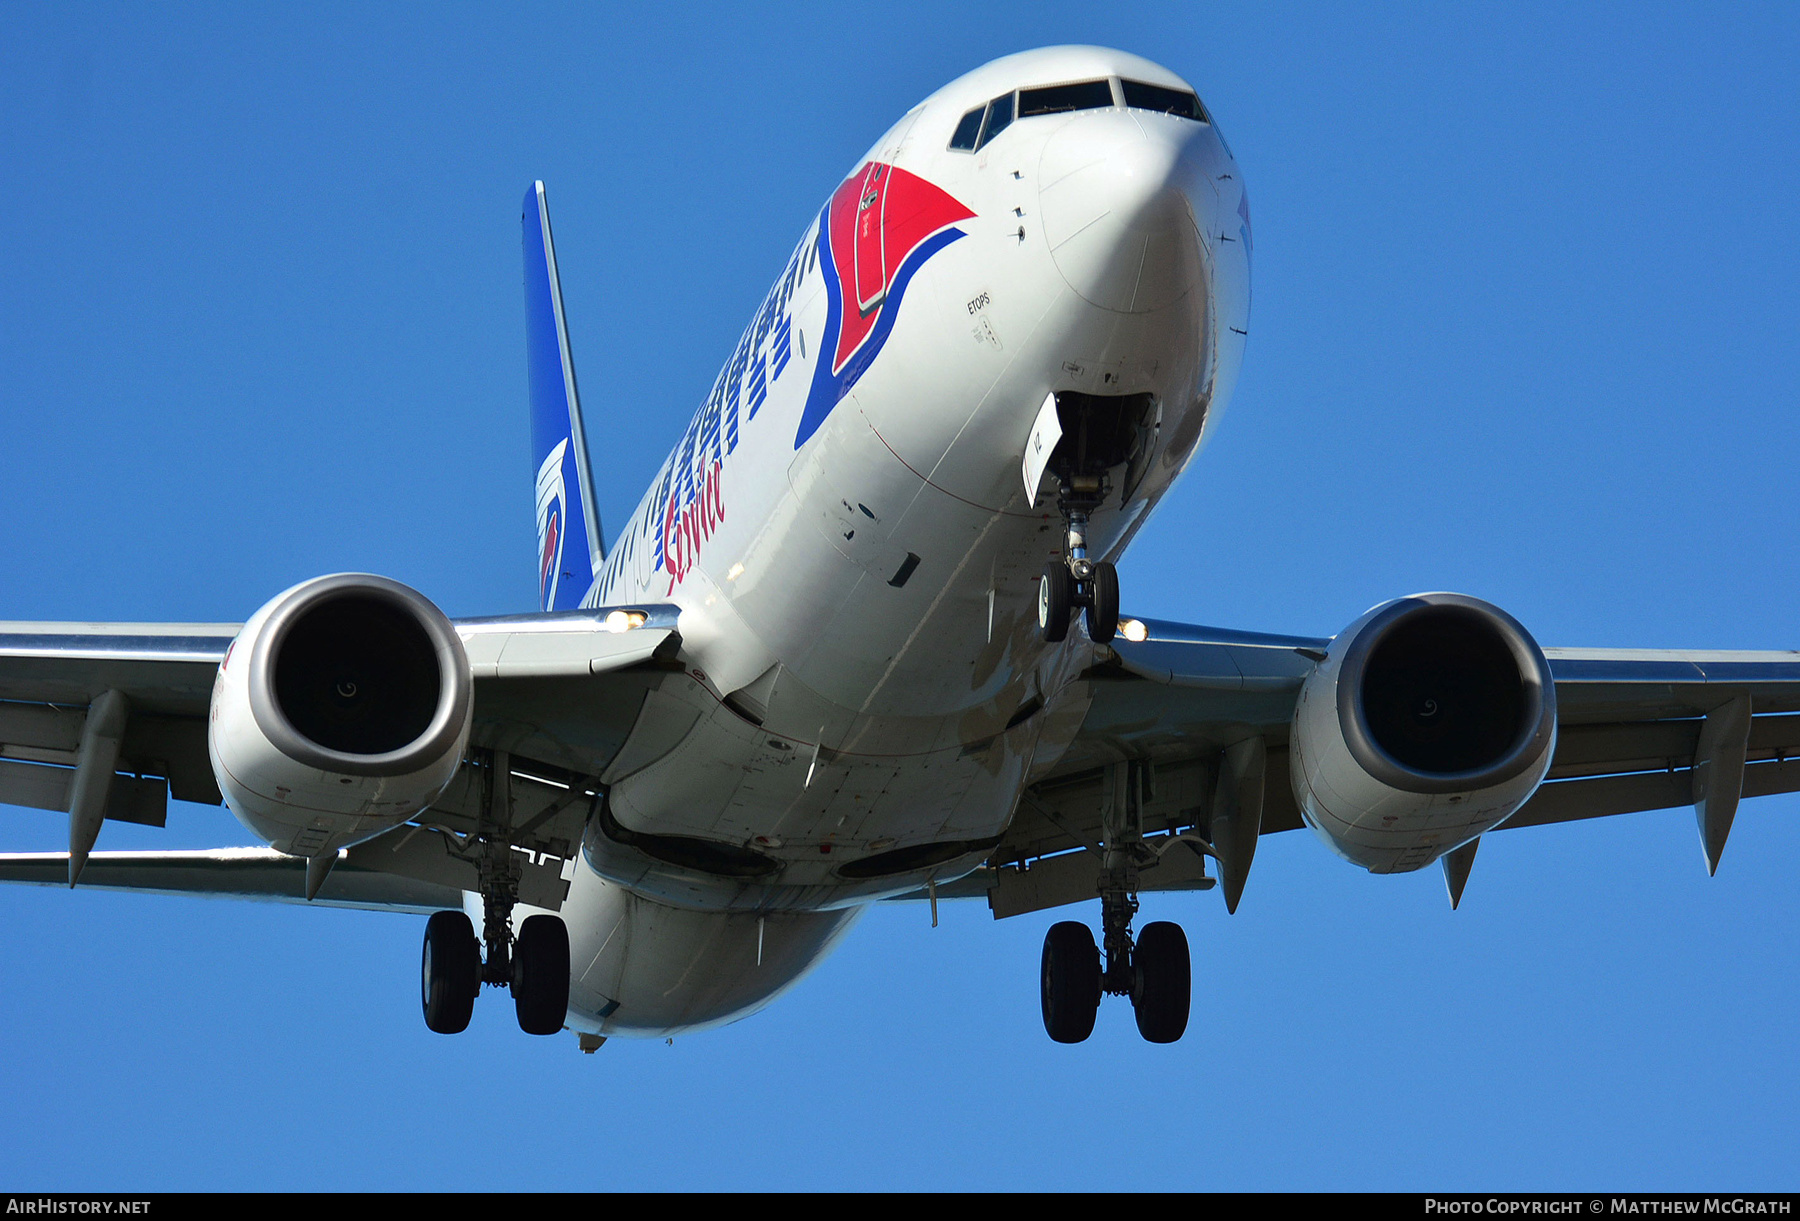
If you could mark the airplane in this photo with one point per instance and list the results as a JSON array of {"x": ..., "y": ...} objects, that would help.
[{"x": 862, "y": 639}]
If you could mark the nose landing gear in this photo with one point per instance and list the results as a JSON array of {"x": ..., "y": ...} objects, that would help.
[
  {"x": 1075, "y": 580},
  {"x": 1096, "y": 437}
]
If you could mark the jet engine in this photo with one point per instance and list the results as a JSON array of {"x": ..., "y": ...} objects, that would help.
[
  {"x": 1431, "y": 720},
  {"x": 341, "y": 709}
]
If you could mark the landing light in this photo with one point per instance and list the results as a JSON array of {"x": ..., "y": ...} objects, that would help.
[
  {"x": 1134, "y": 631},
  {"x": 624, "y": 621}
]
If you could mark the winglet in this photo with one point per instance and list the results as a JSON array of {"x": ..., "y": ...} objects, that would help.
[{"x": 570, "y": 545}]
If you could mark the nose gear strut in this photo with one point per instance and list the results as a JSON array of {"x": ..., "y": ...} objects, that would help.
[
  {"x": 1098, "y": 437},
  {"x": 1075, "y": 580}
]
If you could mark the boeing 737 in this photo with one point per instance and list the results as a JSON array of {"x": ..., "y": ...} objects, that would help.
[{"x": 862, "y": 640}]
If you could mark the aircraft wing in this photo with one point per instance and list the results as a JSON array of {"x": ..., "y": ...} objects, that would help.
[
  {"x": 1629, "y": 731},
  {"x": 233, "y": 873},
  {"x": 560, "y": 689}
]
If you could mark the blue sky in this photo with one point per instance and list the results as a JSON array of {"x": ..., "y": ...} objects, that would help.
[{"x": 1524, "y": 327}]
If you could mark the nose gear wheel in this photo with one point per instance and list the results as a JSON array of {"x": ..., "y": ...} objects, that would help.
[{"x": 1077, "y": 580}]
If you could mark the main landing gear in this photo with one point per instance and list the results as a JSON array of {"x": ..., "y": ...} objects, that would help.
[
  {"x": 1153, "y": 969},
  {"x": 538, "y": 974},
  {"x": 1154, "y": 972},
  {"x": 534, "y": 964}
]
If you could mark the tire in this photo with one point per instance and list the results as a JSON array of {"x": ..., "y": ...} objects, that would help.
[
  {"x": 1162, "y": 982},
  {"x": 1056, "y": 598},
  {"x": 449, "y": 973},
  {"x": 1103, "y": 604},
  {"x": 540, "y": 982},
  {"x": 1071, "y": 982}
]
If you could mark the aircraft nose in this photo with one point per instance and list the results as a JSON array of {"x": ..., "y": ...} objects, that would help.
[{"x": 1121, "y": 209}]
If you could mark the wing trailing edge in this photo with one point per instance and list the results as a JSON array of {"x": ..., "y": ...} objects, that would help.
[{"x": 233, "y": 873}]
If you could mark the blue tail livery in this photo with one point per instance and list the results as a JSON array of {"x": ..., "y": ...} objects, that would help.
[{"x": 570, "y": 545}]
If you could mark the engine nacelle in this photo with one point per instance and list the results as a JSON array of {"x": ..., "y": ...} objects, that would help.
[
  {"x": 1431, "y": 720},
  {"x": 341, "y": 710}
]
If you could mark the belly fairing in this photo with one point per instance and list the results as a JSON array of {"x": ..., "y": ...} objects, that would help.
[
  {"x": 818, "y": 805},
  {"x": 644, "y": 968}
]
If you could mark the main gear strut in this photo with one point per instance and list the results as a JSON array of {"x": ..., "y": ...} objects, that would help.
[
  {"x": 534, "y": 964},
  {"x": 1152, "y": 969}
]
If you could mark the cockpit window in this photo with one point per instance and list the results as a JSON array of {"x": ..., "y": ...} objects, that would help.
[
  {"x": 999, "y": 118},
  {"x": 1084, "y": 95},
  {"x": 1140, "y": 96},
  {"x": 968, "y": 130},
  {"x": 978, "y": 127}
]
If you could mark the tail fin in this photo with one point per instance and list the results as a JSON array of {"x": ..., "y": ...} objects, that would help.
[{"x": 570, "y": 546}]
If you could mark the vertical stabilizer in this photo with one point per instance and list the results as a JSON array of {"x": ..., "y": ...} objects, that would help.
[{"x": 570, "y": 546}]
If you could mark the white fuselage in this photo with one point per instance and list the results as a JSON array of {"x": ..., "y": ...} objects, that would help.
[{"x": 847, "y": 532}]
